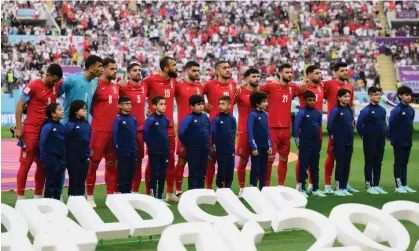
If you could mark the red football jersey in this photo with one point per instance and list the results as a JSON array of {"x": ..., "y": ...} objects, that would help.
[
  {"x": 279, "y": 102},
  {"x": 183, "y": 92},
  {"x": 157, "y": 85},
  {"x": 244, "y": 107},
  {"x": 104, "y": 106},
  {"x": 38, "y": 96},
  {"x": 318, "y": 90},
  {"x": 215, "y": 90},
  {"x": 138, "y": 94},
  {"x": 331, "y": 88}
]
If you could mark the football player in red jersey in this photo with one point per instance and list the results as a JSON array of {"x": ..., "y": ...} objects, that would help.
[
  {"x": 104, "y": 111},
  {"x": 183, "y": 92},
  {"x": 280, "y": 95},
  {"x": 314, "y": 85},
  {"x": 223, "y": 85},
  {"x": 137, "y": 92},
  {"x": 331, "y": 89},
  {"x": 252, "y": 78},
  {"x": 163, "y": 84},
  {"x": 36, "y": 96}
]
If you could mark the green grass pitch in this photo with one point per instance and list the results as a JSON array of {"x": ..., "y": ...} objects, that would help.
[{"x": 290, "y": 240}]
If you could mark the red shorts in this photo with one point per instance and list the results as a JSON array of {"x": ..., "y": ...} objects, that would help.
[
  {"x": 243, "y": 148},
  {"x": 101, "y": 146},
  {"x": 280, "y": 138},
  {"x": 140, "y": 143},
  {"x": 180, "y": 149},
  {"x": 31, "y": 152}
]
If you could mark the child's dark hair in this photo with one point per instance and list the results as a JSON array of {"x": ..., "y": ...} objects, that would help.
[
  {"x": 309, "y": 94},
  {"x": 156, "y": 99},
  {"x": 374, "y": 89},
  {"x": 257, "y": 97},
  {"x": 225, "y": 98},
  {"x": 75, "y": 106},
  {"x": 404, "y": 90},
  {"x": 51, "y": 108},
  {"x": 123, "y": 99},
  {"x": 342, "y": 92},
  {"x": 196, "y": 99}
]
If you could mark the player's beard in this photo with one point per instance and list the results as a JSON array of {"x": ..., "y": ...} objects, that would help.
[
  {"x": 286, "y": 80},
  {"x": 193, "y": 78},
  {"x": 254, "y": 85},
  {"x": 172, "y": 74},
  {"x": 316, "y": 81},
  {"x": 343, "y": 79}
]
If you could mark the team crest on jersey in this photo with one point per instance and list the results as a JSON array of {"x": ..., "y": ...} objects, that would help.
[
  {"x": 114, "y": 89},
  {"x": 92, "y": 152},
  {"x": 198, "y": 91},
  {"x": 53, "y": 90},
  {"x": 171, "y": 84},
  {"x": 24, "y": 154},
  {"x": 231, "y": 87},
  {"x": 142, "y": 89},
  {"x": 26, "y": 90}
]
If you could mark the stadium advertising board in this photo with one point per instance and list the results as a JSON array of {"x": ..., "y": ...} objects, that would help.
[
  {"x": 409, "y": 76},
  {"x": 275, "y": 208},
  {"x": 407, "y": 14}
]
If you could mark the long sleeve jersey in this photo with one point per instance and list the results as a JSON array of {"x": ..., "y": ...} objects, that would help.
[
  {"x": 258, "y": 133},
  {"x": 223, "y": 133},
  {"x": 372, "y": 121},
  {"x": 78, "y": 134},
  {"x": 155, "y": 134},
  {"x": 307, "y": 126},
  {"x": 194, "y": 131},
  {"x": 124, "y": 135},
  {"x": 400, "y": 126}
]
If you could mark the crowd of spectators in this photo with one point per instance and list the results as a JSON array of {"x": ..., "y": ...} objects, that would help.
[{"x": 252, "y": 33}]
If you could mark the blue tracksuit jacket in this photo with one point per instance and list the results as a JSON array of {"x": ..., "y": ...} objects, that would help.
[
  {"x": 340, "y": 125},
  {"x": 307, "y": 126},
  {"x": 258, "y": 133},
  {"x": 223, "y": 133},
  {"x": 155, "y": 134},
  {"x": 400, "y": 127},
  {"x": 194, "y": 131},
  {"x": 78, "y": 134},
  {"x": 52, "y": 142},
  {"x": 372, "y": 121},
  {"x": 124, "y": 135}
]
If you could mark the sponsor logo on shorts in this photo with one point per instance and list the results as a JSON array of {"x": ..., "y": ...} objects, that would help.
[
  {"x": 92, "y": 152},
  {"x": 24, "y": 154},
  {"x": 181, "y": 149}
]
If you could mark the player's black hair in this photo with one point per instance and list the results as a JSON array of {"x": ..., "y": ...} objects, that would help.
[
  {"x": 75, "y": 106},
  {"x": 156, "y": 99},
  {"x": 164, "y": 62},
  {"x": 92, "y": 60},
  {"x": 374, "y": 89},
  {"x": 404, "y": 90},
  {"x": 108, "y": 61},
  {"x": 225, "y": 98},
  {"x": 55, "y": 70},
  {"x": 309, "y": 94},
  {"x": 51, "y": 108},
  {"x": 123, "y": 99},
  {"x": 218, "y": 63},
  {"x": 132, "y": 65},
  {"x": 196, "y": 99},
  {"x": 337, "y": 66},
  {"x": 250, "y": 71},
  {"x": 257, "y": 97},
  {"x": 311, "y": 68},
  {"x": 191, "y": 64},
  {"x": 284, "y": 66},
  {"x": 342, "y": 92}
]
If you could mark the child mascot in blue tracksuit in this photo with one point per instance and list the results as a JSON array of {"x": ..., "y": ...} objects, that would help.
[
  {"x": 259, "y": 138},
  {"x": 52, "y": 151},
  {"x": 78, "y": 134},
  {"x": 400, "y": 130},
  {"x": 307, "y": 126},
  {"x": 371, "y": 126},
  {"x": 223, "y": 133},
  {"x": 124, "y": 131},
  {"x": 155, "y": 136},
  {"x": 340, "y": 127},
  {"x": 194, "y": 133}
]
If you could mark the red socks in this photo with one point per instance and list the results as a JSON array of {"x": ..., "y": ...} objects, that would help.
[
  {"x": 282, "y": 172},
  {"x": 268, "y": 174},
  {"x": 179, "y": 176},
  {"x": 209, "y": 178},
  {"x": 241, "y": 174},
  {"x": 328, "y": 169}
]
